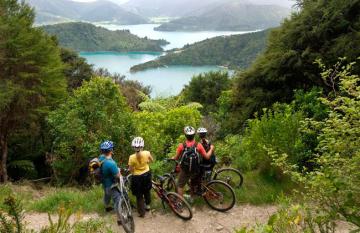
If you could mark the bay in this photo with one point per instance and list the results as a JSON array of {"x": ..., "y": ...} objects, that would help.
[{"x": 164, "y": 81}]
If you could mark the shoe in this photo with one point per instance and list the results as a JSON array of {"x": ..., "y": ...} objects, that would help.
[
  {"x": 147, "y": 208},
  {"x": 119, "y": 223},
  {"x": 108, "y": 209},
  {"x": 142, "y": 215}
]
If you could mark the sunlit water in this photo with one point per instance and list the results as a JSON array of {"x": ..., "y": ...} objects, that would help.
[{"x": 164, "y": 81}]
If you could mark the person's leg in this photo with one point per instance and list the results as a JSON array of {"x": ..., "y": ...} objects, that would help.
[
  {"x": 116, "y": 197},
  {"x": 107, "y": 199},
  {"x": 183, "y": 179},
  {"x": 147, "y": 196},
  {"x": 140, "y": 205}
]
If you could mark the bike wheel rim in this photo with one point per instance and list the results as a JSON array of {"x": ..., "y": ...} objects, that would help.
[
  {"x": 231, "y": 177},
  {"x": 219, "y": 196}
]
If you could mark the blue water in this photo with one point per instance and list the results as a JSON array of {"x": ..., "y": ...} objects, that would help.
[
  {"x": 164, "y": 81},
  {"x": 176, "y": 39}
]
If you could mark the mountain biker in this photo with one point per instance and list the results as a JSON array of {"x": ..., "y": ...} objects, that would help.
[
  {"x": 141, "y": 179},
  {"x": 109, "y": 175},
  {"x": 194, "y": 175},
  {"x": 208, "y": 146}
]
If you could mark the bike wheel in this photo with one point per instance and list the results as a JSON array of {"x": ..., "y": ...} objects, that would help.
[
  {"x": 169, "y": 183},
  {"x": 125, "y": 214},
  {"x": 179, "y": 206},
  {"x": 230, "y": 176},
  {"x": 219, "y": 195}
]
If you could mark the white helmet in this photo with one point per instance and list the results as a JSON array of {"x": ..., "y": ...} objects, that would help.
[
  {"x": 201, "y": 130},
  {"x": 138, "y": 142},
  {"x": 189, "y": 130}
]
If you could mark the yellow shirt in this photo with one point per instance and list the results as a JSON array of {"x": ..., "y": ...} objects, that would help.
[{"x": 140, "y": 164}]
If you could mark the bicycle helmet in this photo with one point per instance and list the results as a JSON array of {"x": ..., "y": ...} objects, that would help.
[
  {"x": 202, "y": 132},
  {"x": 189, "y": 132},
  {"x": 107, "y": 146},
  {"x": 137, "y": 143}
]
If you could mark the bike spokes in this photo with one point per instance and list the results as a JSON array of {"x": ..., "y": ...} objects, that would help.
[{"x": 219, "y": 195}]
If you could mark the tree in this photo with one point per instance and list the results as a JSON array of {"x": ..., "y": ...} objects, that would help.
[
  {"x": 97, "y": 111},
  {"x": 321, "y": 29},
  {"x": 76, "y": 69},
  {"x": 31, "y": 75},
  {"x": 206, "y": 89}
]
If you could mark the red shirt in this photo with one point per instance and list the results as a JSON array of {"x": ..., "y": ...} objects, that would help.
[{"x": 199, "y": 148}]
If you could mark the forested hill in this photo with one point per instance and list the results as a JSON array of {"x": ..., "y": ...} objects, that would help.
[
  {"x": 53, "y": 11},
  {"x": 233, "y": 16},
  {"x": 87, "y": 37},
  {"x": 236, "y": 51}
]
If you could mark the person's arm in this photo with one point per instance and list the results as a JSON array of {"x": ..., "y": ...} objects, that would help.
[
  {"x": 151, "y": 159},
  {"x": 131, "y": 165},
  {"x": 202, "y": 151},
  {"x": 115, "y": 171},
  {"x": 178, "y": 152},
  {"x": 211, "y": 151}
]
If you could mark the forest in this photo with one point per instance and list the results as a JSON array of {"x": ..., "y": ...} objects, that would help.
[
  {"x": 234, "y": 52},
  {"x": 87, "y": 37},
  {"x": 290, "y": 122}
]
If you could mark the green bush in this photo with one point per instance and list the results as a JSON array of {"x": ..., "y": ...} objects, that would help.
[
  {"x": 161, "y": 130},
  {"x": 331, "y": 190},
  {"x": 97, "y": 111}
]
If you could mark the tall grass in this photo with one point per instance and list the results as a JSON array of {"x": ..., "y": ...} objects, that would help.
[{"x": 89, "y": 200}]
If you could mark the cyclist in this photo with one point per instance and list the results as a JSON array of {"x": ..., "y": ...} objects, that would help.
[
  {"x": 141, "y": 179},
  {"x": 109, "y": 175},
  {"x": 189, "y": 154},
  {"x": 208, "y": 146}
]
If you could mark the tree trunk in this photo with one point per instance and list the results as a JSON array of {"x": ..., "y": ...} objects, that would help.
[{"x": 4, "y": 155}]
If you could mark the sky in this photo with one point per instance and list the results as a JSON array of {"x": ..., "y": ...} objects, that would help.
[{"x": 287, "y": 3}]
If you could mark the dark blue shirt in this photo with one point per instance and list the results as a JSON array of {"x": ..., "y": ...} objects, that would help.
[{"x": 109, "y": 170}]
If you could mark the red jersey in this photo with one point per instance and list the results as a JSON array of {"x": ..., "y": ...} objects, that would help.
[{"x": 199, "y": 148}]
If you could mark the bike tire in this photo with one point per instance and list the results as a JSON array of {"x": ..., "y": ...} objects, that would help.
[
  {"x": 178, "y": 204},
  {"x": 169, "y": 183},
  {"x": 230, "y": 176},
  {"x": 125, "y": 214},
  {"x": 219, "y": 190}
]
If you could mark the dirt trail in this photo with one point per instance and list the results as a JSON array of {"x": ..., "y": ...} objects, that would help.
[{"x": 204, "y": 221}]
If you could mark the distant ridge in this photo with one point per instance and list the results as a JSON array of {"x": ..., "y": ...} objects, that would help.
[
  {"x": 87, "y": 37},
  {"x": 232, "y": 16},
  {"x": 235, "y": 52},
  {"x": 54, "y": 11}
]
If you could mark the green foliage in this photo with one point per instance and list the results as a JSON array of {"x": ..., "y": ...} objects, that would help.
[
  {"x": 97, "y": 111},
  {"x": 31, "y": 80},
  {"x": 236, "y": 51},
  {"x": 76, "y": 69},
  {"x": 12, "y": 218},
  {"x": 206, "y": 89},
  {"x": 320, "y": 29},
  {"x": 89, "y": 200},
  {"x": 331, "y": 190},
  {"x": 162, "y": 129},
  {"x": 12, "y": 221},
  {"x": 87, "y": 37}
]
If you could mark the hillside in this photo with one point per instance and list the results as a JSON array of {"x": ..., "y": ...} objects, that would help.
[
  {"x": 53, "y": 11},
  {"x": 87, "y": 37},
  {"x": 232, "y": 16},
  {"x": 237, "y": 51}
]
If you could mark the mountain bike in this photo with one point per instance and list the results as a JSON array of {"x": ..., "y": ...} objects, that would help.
[
  {"x": 218, "y": 194},
  {"x": 123, "y": 209},
  {"x": 177, "y": 203},
  {"x": 229, "y": 175}
]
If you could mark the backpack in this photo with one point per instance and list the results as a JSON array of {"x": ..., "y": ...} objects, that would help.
[
  {"x": 95, "y": 169},
  {"x": 191, "y": 159}
]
